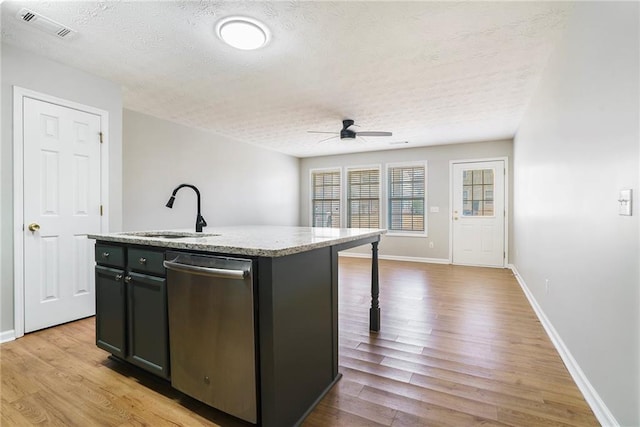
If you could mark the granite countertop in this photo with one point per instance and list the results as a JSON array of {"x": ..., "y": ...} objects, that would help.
[{"x": 254, "y": 240}]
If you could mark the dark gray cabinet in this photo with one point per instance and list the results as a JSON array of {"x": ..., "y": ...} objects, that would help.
[
  {"x": 131, "y": 306},
  {"x": 147, "y": 323},
  {"x": 110, "y": 310}
]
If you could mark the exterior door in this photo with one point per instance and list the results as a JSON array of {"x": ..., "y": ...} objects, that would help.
[
  {"x": 61, "y": 205},
  {"x": 478, "y": 217}
]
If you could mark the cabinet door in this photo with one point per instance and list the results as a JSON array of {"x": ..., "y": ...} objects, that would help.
[
  {"x": 110, "y": 310},
  {"x": 148, "y": 330}
]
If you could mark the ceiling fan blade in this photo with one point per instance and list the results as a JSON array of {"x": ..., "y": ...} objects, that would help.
[
  {"x": 374, "y": 133},
  {"x": 319, "y": 131},
  {"x": 326, "y": 139}
]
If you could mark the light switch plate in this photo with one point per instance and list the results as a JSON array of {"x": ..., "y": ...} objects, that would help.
[
  {"x": 434, "y": 209},
  {"x": 625, "y": 202}
]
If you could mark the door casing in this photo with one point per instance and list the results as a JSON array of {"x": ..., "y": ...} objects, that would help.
[
  {"x": 506, "y": 202},
  {"x": 19, "y": 94}
]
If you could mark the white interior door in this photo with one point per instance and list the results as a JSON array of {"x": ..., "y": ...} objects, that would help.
[
  {"x": 61, "y": 205},
  {"x": 478, "y": 216}
]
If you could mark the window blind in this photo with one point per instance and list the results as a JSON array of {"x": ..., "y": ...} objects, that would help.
[
  {"x": 325, "y": 202},
  {"x": 363, "y": 198},
  {"x": 407, "y": 198}
]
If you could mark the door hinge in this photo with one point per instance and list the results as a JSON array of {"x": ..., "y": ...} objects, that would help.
[
  {"x": 101, "y": 141},
  {"x": 100, "y": 210}
]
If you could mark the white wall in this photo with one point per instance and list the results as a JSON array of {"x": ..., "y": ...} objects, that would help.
[
  {"x": 33, "y": 72},
  {"x": 239, "y": 183},
  {"x": 438, "y": 158},
  {"x": 577, "y": 146}
]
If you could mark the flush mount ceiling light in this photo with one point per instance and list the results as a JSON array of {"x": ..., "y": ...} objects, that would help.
[{"x": 243, "y": 33}]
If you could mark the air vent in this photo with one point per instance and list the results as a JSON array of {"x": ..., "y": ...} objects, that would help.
[
  {"x": 28, "y": 16},
  {"x": 44, "y": 24}
]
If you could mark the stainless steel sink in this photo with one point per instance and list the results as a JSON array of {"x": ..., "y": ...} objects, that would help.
[{"x": 169, "y": 234}]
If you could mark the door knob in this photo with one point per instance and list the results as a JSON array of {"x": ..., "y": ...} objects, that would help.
[{"x": 33, "y": 227}]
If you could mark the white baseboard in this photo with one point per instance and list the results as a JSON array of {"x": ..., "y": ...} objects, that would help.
[
  {"x": 7, "y": 336},
  {"x": 602, "y": 413},
  {"x": 398, "y": 258}
]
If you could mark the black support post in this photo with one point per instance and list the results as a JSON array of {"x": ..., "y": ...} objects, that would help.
[{"x": 374, "y": 311}]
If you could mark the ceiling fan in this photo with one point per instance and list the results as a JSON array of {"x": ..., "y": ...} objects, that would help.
[{"x": 346, "y": 133}]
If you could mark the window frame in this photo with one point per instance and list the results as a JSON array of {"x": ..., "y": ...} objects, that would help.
[
  {"x": 312, "y": 194},
  {"x": 381, "y": 198},
  {"x": 387, "y": 197}
]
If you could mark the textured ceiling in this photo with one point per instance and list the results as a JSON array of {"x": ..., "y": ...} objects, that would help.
[{"x": 430, "y": 72}]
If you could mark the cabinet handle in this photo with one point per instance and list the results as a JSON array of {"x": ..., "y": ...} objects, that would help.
[
  {"x": 142, "y": 260},
  {"x": 118, "y": 277},
  {"x": 127, "y": 279},
  {"x": 105, "y": 254}
]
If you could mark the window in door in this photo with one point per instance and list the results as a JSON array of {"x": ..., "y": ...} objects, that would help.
[
  {"x": 325, "y": 198},
  {"x": 477, "y": 192},
  {"x": 407, "y": 199},
  {"x": 363, "y": 198}
]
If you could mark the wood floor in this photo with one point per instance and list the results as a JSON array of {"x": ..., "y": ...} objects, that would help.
[{"x": 459, "y": 346}]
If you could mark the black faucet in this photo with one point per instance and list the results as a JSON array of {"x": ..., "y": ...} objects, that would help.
[{"x": 200, "y": 222}]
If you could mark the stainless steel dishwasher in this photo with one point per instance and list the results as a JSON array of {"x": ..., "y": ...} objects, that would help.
[{"x": 211, "y": 331}]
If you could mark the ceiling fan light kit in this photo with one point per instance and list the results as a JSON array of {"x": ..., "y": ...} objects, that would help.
[{"x": 346, "y": 133}]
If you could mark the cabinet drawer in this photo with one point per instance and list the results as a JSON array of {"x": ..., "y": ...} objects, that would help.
[
  {"x": 146, "y": 261},
  {"x": 110, "y": 255}
]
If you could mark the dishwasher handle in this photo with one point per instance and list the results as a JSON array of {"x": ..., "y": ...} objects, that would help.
[{"x": 206, "y": 271}]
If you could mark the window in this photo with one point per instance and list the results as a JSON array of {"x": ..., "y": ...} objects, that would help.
[
  {"x": 477, "y": 192},
  {"x": 325, "y": 198},
  {"x": 353, "y": 197},
  {"x": 407, "y": 199},
  {"x": 363, "y": 198}
]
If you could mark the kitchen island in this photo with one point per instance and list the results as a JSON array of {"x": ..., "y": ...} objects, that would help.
[{"x": 295, "y": 288}]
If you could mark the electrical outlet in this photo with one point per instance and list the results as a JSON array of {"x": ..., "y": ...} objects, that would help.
[
  {"x": 430, "y": 245},
  {"x": 546, "y": 286}
]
